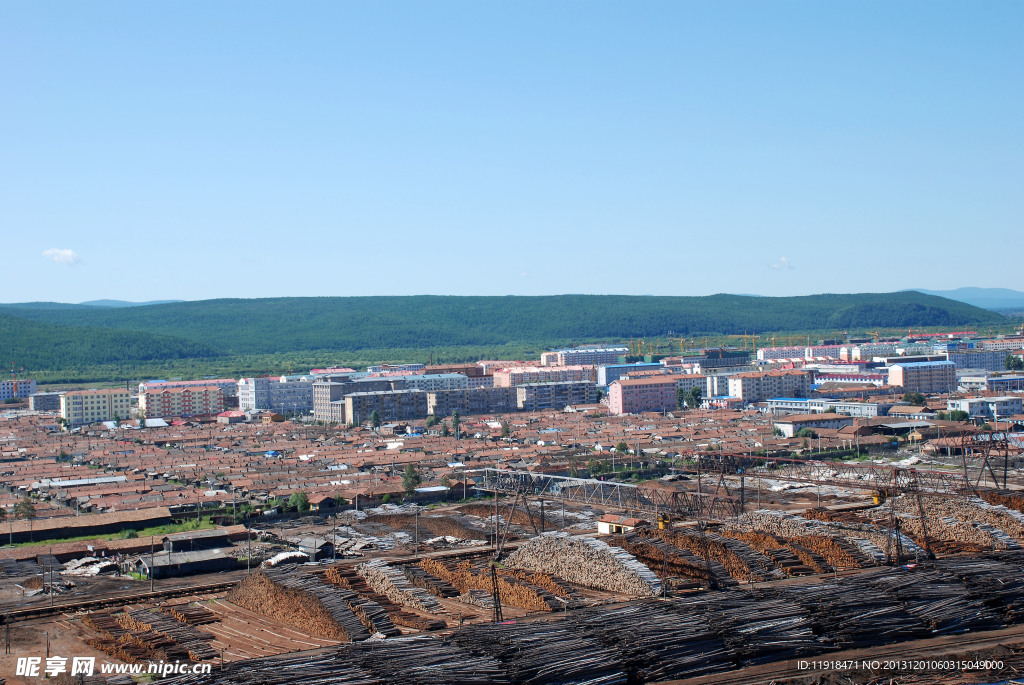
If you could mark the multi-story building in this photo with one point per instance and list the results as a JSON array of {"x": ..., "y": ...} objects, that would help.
[
  {"x": 720, "y": 358},
  {"x": 584, "y": 356},
  {"x": 431, "y": 382},
  {"x": 987, "y": 407},
  {"x": 866, "y": 351},
  {"x": 766, "y": 353},
  {"x": 756, "y": 386},
  {"x": 228, "y": 386},
  {"x": 521, "y": 375},
  {"x": 162, "y": 402},
  {"x": 26, "y": 387},
  {"x": 924, "y": 376},
  {"x": 1006, "y": 344},
  {"x": 82, "y": 407},
  {"x": 329, "y": 393},
  {"x": 390, "y": 405},
  {"x": 609, "y": 373},
  {"x": 281, "y": 394},
  {"x": 827, "y": 351},
  {"x": 632, "y": 396},
  {"x": 554, "y": 395},
  {"x": 45, "y": 401},
  {"x": 793, "y": 424},
  {"x": 990, "y": 360},
  {"x": 803, "y": 405},
  {"x": 472, "y": 401}
]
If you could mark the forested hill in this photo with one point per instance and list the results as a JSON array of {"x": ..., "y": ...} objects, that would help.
[{"x": 272, "y": 326}]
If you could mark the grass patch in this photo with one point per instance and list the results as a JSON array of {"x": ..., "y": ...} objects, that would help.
[{"x": 167, "y": 529}]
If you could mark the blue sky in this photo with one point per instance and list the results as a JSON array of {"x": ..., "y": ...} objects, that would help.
[{"x": 192, "y": 150}]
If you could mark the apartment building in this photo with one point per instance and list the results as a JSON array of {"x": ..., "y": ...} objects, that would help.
[
  {"x": 472, "y": 401},
  {"x": 791, "y": 425},
  {"x": 932, "y": 376},
  {"x": 866, "y": 351},
  {"x": 329, "y": 393},
  {"x": 554, "y": 395},
  {"x": 768, "y": 353},
  {"x": 26, "y": 387},
  {"x": 432, "y": 382},
  {"x": 228, "y": 386},
  {"x": 632, "y": 396},
  {"x": 987, "y": 407},
  {"x": 1007, "y": 344},
  {"x": 803, "y": 405},
  {"x": 281, "y": 394},
  {"x": 990, "y": 360},
  {"x": 584, "y": 356},
  {"x": 45, "y": 401},
  {"x": 609, "y": 373},
  {"x": 756, "y": 386},
  {"x": 163, "y": 402},
  {"x": 390, "y": 405},
  {"x": 82, "y": 407},
  {"x": 521, "y": 375}
]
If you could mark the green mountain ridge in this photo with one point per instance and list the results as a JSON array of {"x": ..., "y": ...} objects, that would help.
[{"x": 55, "y": 337}]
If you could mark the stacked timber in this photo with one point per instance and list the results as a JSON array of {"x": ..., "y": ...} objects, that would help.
[
  {"x": 429, "y": 582},
  {"x": 515, "y": 590},
  {"x": 195, "y": 642},
  {"x": 436, "y": 525},
  {"x": 300, "y": 600},
  {"x": 392, "y": 583},
  {"x": 664, "y": 559},
  {"x": 191, "y": 614},
  {"x": 588, "y": 562},
  {"x": 1010, "y": 500},
  {"x": 350, "y": 580},
  {"x": 705, "y": 548}
]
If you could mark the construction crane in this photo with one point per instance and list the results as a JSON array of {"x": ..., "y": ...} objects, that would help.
[{"x": 14, "y": 381}]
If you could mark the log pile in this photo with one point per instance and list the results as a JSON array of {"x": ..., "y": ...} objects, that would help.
[
  {"x": 349, "y": 580},
  {"x": 973, "y": 522},
  {"x": 513, "y": 587},
  {"x": 664, "y": 559},
  {"x": 162, "y": 632},
  {"x": 1010, "y": 500},
  {"x": 864, "y": 542},
  {"x": 191, "y": 614},
  {"x": 704, "y": 548},
  {"x": 772, "y": 545},
  {"x": 435, "y": 525},
  {"x": 587, "y": 562},
  {"x": 392, "y": 583},
  {"x": 417, "y": 577},
  {"x": 299, "y": 600}
]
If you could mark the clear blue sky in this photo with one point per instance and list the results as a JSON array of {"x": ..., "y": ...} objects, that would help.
[{"x": 191, "y": 150}]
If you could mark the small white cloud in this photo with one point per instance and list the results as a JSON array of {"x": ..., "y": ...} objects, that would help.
[
  {"x": 783, "y": 263},
  {"x": 59, "y": 255},
  {"x": 523, "y": 274}
]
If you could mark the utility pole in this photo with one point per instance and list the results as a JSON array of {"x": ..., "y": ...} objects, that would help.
[{"x": 152, "y": 554}]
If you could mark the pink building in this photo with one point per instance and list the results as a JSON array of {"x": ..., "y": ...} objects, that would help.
[
  {"x": 632, "y": 396},
  {"x": 521, "y": 375}
]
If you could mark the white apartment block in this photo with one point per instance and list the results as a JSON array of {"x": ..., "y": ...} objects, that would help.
[
  {"x": 924, "y": 377},
  {"x": 25, "y": 388},
  {"x": 586, "y": 356},
  {"x": 987, "y": 407},
  {"x": 758, "y": 386},
  {"x": 281, "y": 394}
]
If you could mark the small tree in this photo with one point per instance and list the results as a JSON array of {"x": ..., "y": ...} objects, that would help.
[
  {"x": 694, "y": 397},
  {"x": 432, "y": 421},
  {"x": 375, "y": 418},
  {"x": 595, "y": 467},
  {"x": 446, "y": 481},
  {"x": 445, "y": 431},
  {"x": 506, "y": 430},
  {"x": 455, "y": 423},
  {"x": 410, "y": 479},
  {"x": 299, "y": 501},
  {"x": 386, "y": 498},
  {"x": 914, "y": 398},
  {"x": 3, "y": 514},
  {"x": 680, "y": 398},
  {"x": 1014, "y": 363},
  {"x": 25, "y": 509},
  {"x": 621, "y": 448}
]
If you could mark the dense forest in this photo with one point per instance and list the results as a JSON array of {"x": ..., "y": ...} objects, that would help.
[{"x": 44, "y": 336}]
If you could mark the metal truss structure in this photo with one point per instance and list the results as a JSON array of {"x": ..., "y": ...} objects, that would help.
[{"x": 635, "y": 498}]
